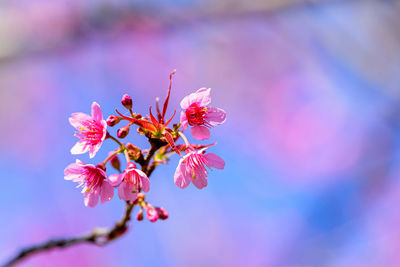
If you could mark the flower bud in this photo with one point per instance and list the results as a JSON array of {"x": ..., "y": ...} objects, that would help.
[
  {"x": 123, "y": 131},
  {"x": 133, "y": 151},
  {"x": 114, "y": 161},
  {"x": 152, "y": 214},
  {"x": 139, "y": 215},
  {"x": 162, "y": 213},
  {"x": 113, "y": 120},
  {"x": 126, "y": 101}
]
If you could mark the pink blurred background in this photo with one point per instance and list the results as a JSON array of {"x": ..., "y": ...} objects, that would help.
[{"x": 311, "y": 89}]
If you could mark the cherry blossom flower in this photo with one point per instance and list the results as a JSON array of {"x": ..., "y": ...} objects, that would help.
[
  {"x": 94, "y": 182},
  {"x": 130, "y": 182},
  {"x": 197, "y": 114},
  {"x": 192, "y": 168},
  {"x": 91, "y": 131}
]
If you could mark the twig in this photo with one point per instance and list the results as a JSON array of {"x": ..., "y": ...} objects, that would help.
[{"x": 99, "y": 236}]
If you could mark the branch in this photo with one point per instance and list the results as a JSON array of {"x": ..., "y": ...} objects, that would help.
[{"x": 99, "y": 236}]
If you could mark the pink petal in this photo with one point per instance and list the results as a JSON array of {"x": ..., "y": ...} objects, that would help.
[
  {"x": 200, "y": 132},
  {"x": 200, "y": 182},
  {"x": 125, "y": 191},
  {"x": 201, "y": 97},
  {"x": 79, "y": 148},
  {"x": 181, "y": 177},
  {"x": 145, "y": 183},
  {"x": 184, "y": 120},
  {"x": 76, "y": 119},
  {"x": 91, "y": 199},
  {"x": 106, "y": 192},
  {"x": 94, "y": 149},
  {"x": 214, "y": 161},
  {"x": 73, "y": 172},
  {"x": 215, "y": 116},
  {"x": 115, "y": 179},
  {"x": 121, "y": 191},
  {"x": 97, "y": 114}
]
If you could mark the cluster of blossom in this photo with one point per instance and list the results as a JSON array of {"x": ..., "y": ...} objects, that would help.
[{"x": 131, "y": 182}]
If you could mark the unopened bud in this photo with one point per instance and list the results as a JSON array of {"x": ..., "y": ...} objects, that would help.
[
  {"x": 162, "y": 213},
  {"x": 151, "y": 214},
  {"x": 123, "y": 131},
  {"x": 113, "y": 120},
  {"x": 133, "y": 151},
  {"x": 126, "y": 101},
  {"x": 114, "y": 161},
  {"x": 139, "y": 215}
]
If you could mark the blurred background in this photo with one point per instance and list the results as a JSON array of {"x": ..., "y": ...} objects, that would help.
[{"x": 311, "y": 141}]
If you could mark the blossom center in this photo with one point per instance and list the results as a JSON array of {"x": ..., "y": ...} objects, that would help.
[
  {"x": 197, "y": 162},
  {"x": 93, "y": 179},
  {"x": 196, "y": 115},
  {"x": 90, "y": 131}
]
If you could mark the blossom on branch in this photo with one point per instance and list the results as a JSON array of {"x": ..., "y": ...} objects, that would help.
[
  {"x": 197, "y": 114},
  {"x": 130, "y": 182},
  {"x": 91, "y": 131},
  {"x": 192, "y": 168},
  {"x": 93, "y": 179}
]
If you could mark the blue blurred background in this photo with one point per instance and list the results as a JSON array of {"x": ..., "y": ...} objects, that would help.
[{"x": 311, "y": 141}]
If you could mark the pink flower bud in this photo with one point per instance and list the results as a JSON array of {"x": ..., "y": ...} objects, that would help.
[
  {"x": 123, "y": 131},
  {"x": 152, "y": 214},
  {"x": 162, "y": 213},
  {"x": 113, "y": 120},
  {"x": 114, "y": 161},
  {"x": 126, "y": 101},
  {"x": 139, "y": 215}
]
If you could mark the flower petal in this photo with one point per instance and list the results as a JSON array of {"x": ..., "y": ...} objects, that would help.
[
  {"x": 79, "y": 148},
  {"x": 106, "y": 192},
  {"x": 200, "y": 182},
  {"x": 76, "y": 119},
  {"x": 181, "y": 176},
  {"x": 115, "y": 179},
  {"x": 125, "y": 191},
  {"x": 200, "y": 132},
  {"x": 214, "y": 161},
  {"x": 201, "y": 97},
  {"x": 73, "y": 172},
  {"x": 121, "y": 191},
  {"x": 184, "y": 120},
  {"x": 97, "y": 114},
  {"x": 144, "y": 181},
  {"x": 93, "y": 149},
  {"x": 215, "y": 116},
  {"x": 91, "y": 198}
]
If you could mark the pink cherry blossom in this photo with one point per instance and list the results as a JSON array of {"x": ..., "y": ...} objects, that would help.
[
  {"x": 91, "y": 131},
  {"x": 192, "y": 168},
  {"x": 197, "y": 114},
  {"x": 130, "y": 182},
  {"x": 94, "y": 182}
]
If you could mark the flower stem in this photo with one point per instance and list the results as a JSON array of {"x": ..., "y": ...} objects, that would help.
[
  {"x": 116, "y": 140},
  {"x": 127, "y": 156},
  {"x": 110, "y": 156},
  {"x": 184, "y": 138}
]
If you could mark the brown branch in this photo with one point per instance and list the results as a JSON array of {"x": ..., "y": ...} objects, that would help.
[{"x": 99, "y": 236}]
